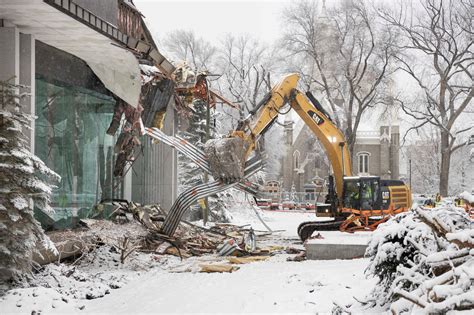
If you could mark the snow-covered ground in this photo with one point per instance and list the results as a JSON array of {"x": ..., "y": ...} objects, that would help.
[
  {"x": 148, "y": 283},
  {"x": 273, "y": 286}
]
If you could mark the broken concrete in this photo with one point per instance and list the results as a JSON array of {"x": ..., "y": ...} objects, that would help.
[{"x": 337, "y": 245}]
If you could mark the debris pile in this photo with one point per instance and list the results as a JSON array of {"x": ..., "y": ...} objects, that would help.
[
  {"x": 192, "y": 240},
  {"x": 135, "y": 230},
  {"x": 424, "y": 261},
  {"x": 76, "y": 244},
  {"x": 137, "y": 227}
]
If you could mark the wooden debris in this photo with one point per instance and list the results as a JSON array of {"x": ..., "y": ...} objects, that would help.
[
  {"x": 209, "y": 268},
  {"x": 274, "y": 248},
  {"x": 175, "y": 252},
  {"x": 246, "y": 260}
]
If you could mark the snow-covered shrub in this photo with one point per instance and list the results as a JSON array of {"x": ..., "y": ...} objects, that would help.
[
  {"x": 410, "y": 252},
  {"x": 24, "y": 183}
]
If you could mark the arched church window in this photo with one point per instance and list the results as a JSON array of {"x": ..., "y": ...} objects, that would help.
[{"x": 296, "y": 159}]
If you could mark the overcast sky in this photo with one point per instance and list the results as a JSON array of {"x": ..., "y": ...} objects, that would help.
[{"x": 213, "y": 19}]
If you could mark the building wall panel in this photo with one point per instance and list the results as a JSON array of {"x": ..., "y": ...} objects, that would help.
[{"x": 155, "y": 171}]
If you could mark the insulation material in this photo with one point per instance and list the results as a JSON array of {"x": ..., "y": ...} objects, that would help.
[{"x": 123, "y": 82}]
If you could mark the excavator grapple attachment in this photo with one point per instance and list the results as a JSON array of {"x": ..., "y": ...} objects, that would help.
[{"x": 227, "y": 158}]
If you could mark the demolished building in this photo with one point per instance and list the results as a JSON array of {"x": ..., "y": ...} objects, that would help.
[{"x": 84, "y": 60}]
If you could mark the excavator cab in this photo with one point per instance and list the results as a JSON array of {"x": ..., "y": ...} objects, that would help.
[{"x": 362, "y": 193}]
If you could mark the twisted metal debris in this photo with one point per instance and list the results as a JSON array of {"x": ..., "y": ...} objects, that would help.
[{"x": 191, "y": 195}]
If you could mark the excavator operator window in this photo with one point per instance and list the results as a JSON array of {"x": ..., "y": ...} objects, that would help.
[
  {"x": 369, "y": 193},
  {"x": 352, "y": 194}
]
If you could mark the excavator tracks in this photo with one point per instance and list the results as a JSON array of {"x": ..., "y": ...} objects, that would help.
[{"x": 306, "y": 229}]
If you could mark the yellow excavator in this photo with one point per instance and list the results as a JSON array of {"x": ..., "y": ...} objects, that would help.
[{"x": 356, "y": 202}]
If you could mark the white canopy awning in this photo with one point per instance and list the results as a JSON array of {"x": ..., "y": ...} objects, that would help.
[{"x": 115, "y": 66}]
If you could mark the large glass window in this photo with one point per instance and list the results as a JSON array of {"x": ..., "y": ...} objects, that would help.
[{"x": 70, "y": 138}]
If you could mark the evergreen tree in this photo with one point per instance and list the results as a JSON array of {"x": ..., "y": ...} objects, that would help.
[
  {"x": 25, "y": 181},
  {"x": 189, "y": 173}
]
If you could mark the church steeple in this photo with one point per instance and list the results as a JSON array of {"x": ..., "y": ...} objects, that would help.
[
  {"x": 324, "y": 11},
  {"x": 323, "y": 14}
]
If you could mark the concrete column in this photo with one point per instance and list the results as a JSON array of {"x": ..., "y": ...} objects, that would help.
[
  {"x": 27, "y": 77},
  {"x": 10, "y": 54}
]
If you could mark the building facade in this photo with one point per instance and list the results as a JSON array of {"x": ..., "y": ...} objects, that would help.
[
  {"x": 378, "y": 153},
  {"x": 80, "y": 59}
]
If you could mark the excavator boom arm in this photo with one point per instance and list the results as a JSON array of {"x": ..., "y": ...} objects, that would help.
[
  {"x": 331, "y": 138},
  {"x": 325, "y": 130}
]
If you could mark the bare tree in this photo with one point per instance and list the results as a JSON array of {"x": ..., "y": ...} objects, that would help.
[
  {"x": 424, "y": 155},
  {"x": 343, "y": 54},
  {"x": 437, "y": 43},
  {"x": 184, "y": 45},
  {"x": 245, "y": 70}
]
